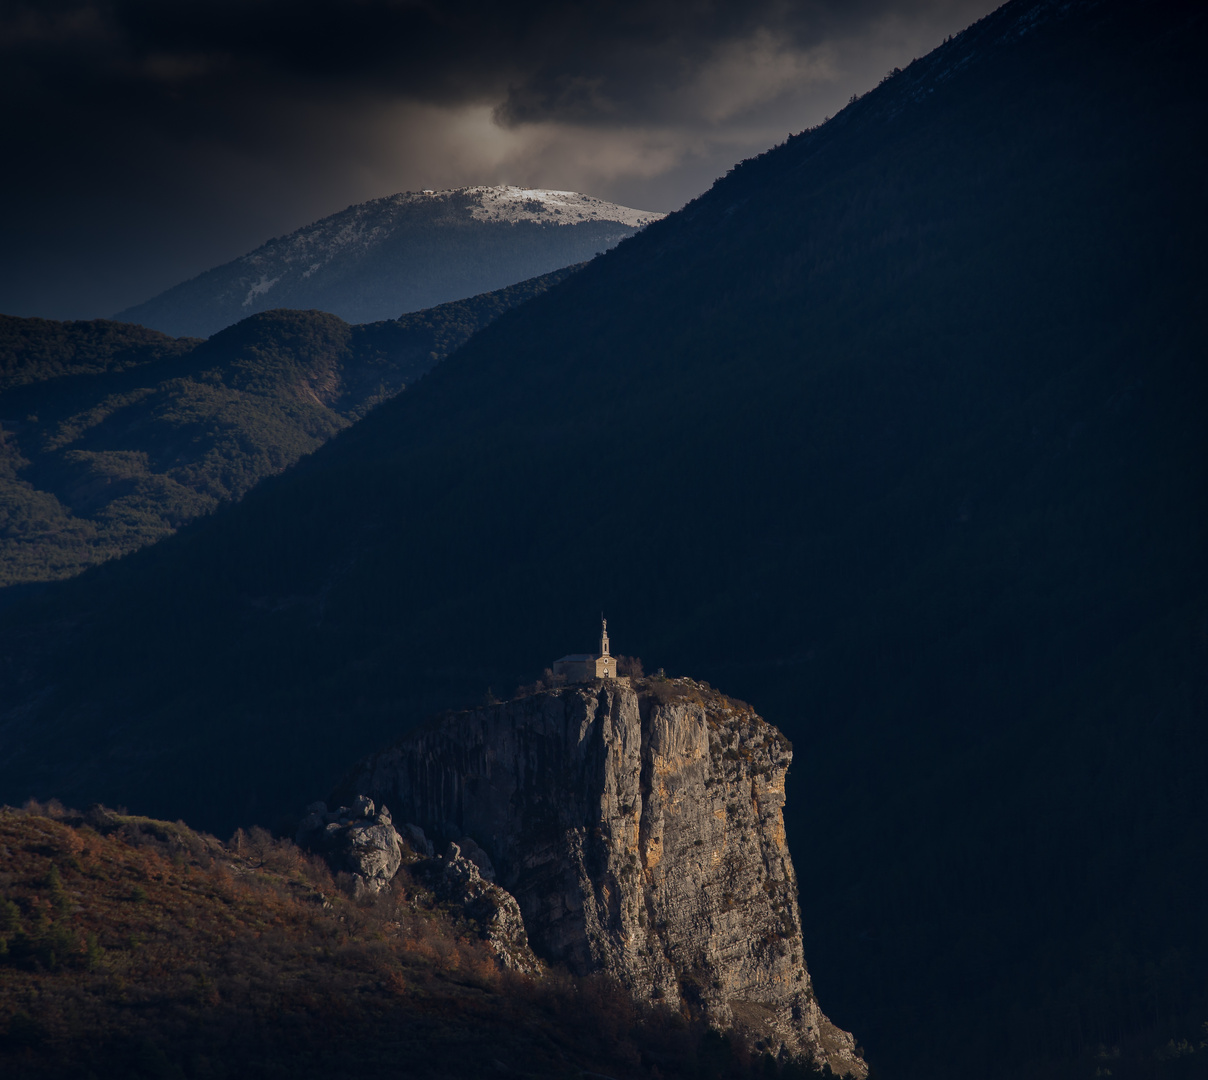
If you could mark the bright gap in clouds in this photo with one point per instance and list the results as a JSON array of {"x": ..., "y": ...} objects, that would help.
[{"x": 745, "y": 97}]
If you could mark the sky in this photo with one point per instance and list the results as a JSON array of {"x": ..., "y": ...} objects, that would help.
[{"x": 149, "y": 140}]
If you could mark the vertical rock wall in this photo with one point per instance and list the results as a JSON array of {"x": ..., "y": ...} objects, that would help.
[{"x": 640, "y": 828}]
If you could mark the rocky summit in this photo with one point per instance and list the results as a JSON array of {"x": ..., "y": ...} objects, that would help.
[{"x": 639, "y": 826}]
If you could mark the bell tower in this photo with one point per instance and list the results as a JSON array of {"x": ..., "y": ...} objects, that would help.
[{"x": 603, "y": 636}]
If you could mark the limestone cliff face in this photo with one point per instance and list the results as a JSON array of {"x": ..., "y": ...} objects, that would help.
[{"x": 640, "y": 828}]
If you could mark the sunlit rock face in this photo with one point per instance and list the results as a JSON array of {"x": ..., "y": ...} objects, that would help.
[
  {"x": 356, "y": 839},
  {"x": 640, "y": 828}
]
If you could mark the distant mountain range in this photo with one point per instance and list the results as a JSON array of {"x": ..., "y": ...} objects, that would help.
[
  {"x": 403, "y": 253},
  {"x": 112, "y": 436},
  {"x": 899, "y": 430}
]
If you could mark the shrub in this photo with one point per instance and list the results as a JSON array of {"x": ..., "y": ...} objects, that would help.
[{"x": 631, "y": 666}]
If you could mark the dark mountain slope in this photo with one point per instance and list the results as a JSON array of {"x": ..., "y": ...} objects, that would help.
[
  {"x": 122, "y": 434},
  {"x": 898, "y": 431}
]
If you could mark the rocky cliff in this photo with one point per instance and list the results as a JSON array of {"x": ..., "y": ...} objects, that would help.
[{"x": 640, "y": 828}]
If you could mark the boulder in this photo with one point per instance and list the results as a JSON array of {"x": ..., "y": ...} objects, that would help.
[{"x": 357, "y": 840}]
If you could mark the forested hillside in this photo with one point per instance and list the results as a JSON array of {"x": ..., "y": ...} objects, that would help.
[
  {"x": 39, "y": 350},
  {"x": 898, "y": 433},
  {"x": 113, "y": 436}
]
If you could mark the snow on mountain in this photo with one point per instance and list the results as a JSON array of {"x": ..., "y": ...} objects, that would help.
[
  {"x": 368, "y": 224},
  {"x": 507, "y": 203},
  {"x": 379, "y": 259}
]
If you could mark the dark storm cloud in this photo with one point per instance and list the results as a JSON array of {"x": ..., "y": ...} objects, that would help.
[
  {"x": 540, "y": 60},
  {"x": 141, "y": 128}
]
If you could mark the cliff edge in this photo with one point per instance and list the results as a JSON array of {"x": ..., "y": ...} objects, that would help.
[{"x": 640, "y": 828}]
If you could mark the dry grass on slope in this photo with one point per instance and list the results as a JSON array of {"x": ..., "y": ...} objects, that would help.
[{"x": 131, "y": 947}]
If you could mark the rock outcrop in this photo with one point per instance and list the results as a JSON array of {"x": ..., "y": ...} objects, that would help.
[
  {"x": 355, "y": 839},
  {"x": 640, "y": 829},
  {"x": 359, "y": 841},
  {"x": 457, "y": 880}
]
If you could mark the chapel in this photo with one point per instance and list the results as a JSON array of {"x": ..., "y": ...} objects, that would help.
[{"x": 583, "y": 667}]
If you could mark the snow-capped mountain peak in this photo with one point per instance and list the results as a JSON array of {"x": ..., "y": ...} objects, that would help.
[{"x": 379, "y": 259}]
